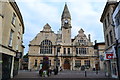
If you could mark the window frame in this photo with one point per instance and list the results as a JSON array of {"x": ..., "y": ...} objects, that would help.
[
  {"x": 87, "y": 63},
  {"x": 68, "y": 50},
  {"x": 11, "y": 38},
  {"x": 46, "y": 47},
  {"x": 64, "y": 51},
  {"x": 111, "y": 37},
  {"x": 13, "y": 19},
  {"x": 78, "y": 63}
]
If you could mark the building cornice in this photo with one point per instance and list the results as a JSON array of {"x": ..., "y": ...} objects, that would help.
[
  {"x": 9, "y": 48},
  {"x": 106, "y": 9}
]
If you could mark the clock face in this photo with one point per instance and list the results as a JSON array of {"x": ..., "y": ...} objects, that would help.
[{"x": 66, "y": 21}]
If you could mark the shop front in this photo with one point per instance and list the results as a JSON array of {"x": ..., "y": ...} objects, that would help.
[
  {"x": 111, "y": 63},
  {"x": 16, "y": 63},
  {"x": 6, "y": 66},
  {"x": 114, "y": 68}
]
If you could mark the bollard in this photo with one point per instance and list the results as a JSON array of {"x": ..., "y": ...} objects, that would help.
[
  {"x": 96, "y": 71},
  {"x": 85, "y": 73}
]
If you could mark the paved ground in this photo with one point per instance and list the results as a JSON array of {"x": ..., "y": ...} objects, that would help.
[{"x": 80, "y": 75}]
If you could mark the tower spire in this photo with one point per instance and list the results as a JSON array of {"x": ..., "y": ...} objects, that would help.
[{"x": 66, "y": 13}]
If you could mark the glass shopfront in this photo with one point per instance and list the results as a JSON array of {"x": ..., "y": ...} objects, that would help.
[{"x": 6, "y": 66}]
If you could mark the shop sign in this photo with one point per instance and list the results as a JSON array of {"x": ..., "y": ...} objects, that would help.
[
  {"x": 18, "y": 54},
  {"x": 108, "y": 55}
]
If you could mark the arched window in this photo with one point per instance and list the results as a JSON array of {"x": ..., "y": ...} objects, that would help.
[{"x": 46, "y": 47}]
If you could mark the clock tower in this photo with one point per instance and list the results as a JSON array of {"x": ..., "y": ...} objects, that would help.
[{"x": 66, "y": 26}]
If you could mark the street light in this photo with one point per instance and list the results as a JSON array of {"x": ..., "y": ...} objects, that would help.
[{"x": 58, "y": 50}]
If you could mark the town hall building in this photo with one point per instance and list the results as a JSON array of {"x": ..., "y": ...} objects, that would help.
[{"x": 62, "y": 51}]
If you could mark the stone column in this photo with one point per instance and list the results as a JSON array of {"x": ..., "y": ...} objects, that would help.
[{"x": 12, "y": 67}]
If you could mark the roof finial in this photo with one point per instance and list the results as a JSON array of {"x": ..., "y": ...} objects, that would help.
[{"x": 66, "y": 3}]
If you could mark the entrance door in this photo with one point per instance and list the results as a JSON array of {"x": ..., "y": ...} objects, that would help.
[{"x": 66, "y": 64}]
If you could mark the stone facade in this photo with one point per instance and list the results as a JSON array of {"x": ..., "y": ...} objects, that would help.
[
  {"x": 11, "y": 39},
  {"x": 99, "y": 51},
  {"x": 62, "y": 51},
  {"x": 116, "y": 19},
  {"x": 109, "y": 36}
]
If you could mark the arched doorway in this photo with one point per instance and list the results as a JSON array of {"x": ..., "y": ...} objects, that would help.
[{"x": 66, "y": 64}]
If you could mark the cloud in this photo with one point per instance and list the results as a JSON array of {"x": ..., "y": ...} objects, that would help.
[
  {"x": 85, "y": 14},
  {"x": 61, "y": 0}
]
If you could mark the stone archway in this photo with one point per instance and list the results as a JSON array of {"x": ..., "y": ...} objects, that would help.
[{"x": 67, "y": 64}]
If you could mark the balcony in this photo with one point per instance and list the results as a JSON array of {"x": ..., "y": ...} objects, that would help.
[{"x": 85, "y": 55}]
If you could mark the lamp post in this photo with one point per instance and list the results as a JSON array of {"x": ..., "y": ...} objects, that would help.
[{"x": 58, "y": 50}]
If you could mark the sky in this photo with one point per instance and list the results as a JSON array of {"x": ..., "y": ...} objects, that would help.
[{"x": 85, "y": 14}]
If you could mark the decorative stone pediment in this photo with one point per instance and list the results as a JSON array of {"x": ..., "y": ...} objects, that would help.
[{"x": 47, "y": 28}]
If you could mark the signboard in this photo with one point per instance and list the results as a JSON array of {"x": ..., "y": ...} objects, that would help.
[
  {"x": 18, "y": 54},
  {"x": 108, "y": 55}
]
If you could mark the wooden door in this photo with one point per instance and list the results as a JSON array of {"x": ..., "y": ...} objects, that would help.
[{"x": 66, "y": 64}]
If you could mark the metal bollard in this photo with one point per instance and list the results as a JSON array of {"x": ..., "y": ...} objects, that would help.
[
  {"x": 85, "y": 73},
  {"x": 96, "y": 71}
]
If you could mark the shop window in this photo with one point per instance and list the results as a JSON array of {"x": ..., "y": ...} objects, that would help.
[
  {"x": 87, "y": 63},
  {"x": 77, "y": 63}
]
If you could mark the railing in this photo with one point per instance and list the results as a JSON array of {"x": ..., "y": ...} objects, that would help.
[{"x": 85, "y": 55}]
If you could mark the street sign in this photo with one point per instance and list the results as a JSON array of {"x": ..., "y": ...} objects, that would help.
[
  {"x": 18, "y": 54},
  {"x": 108, "y": 55}
]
